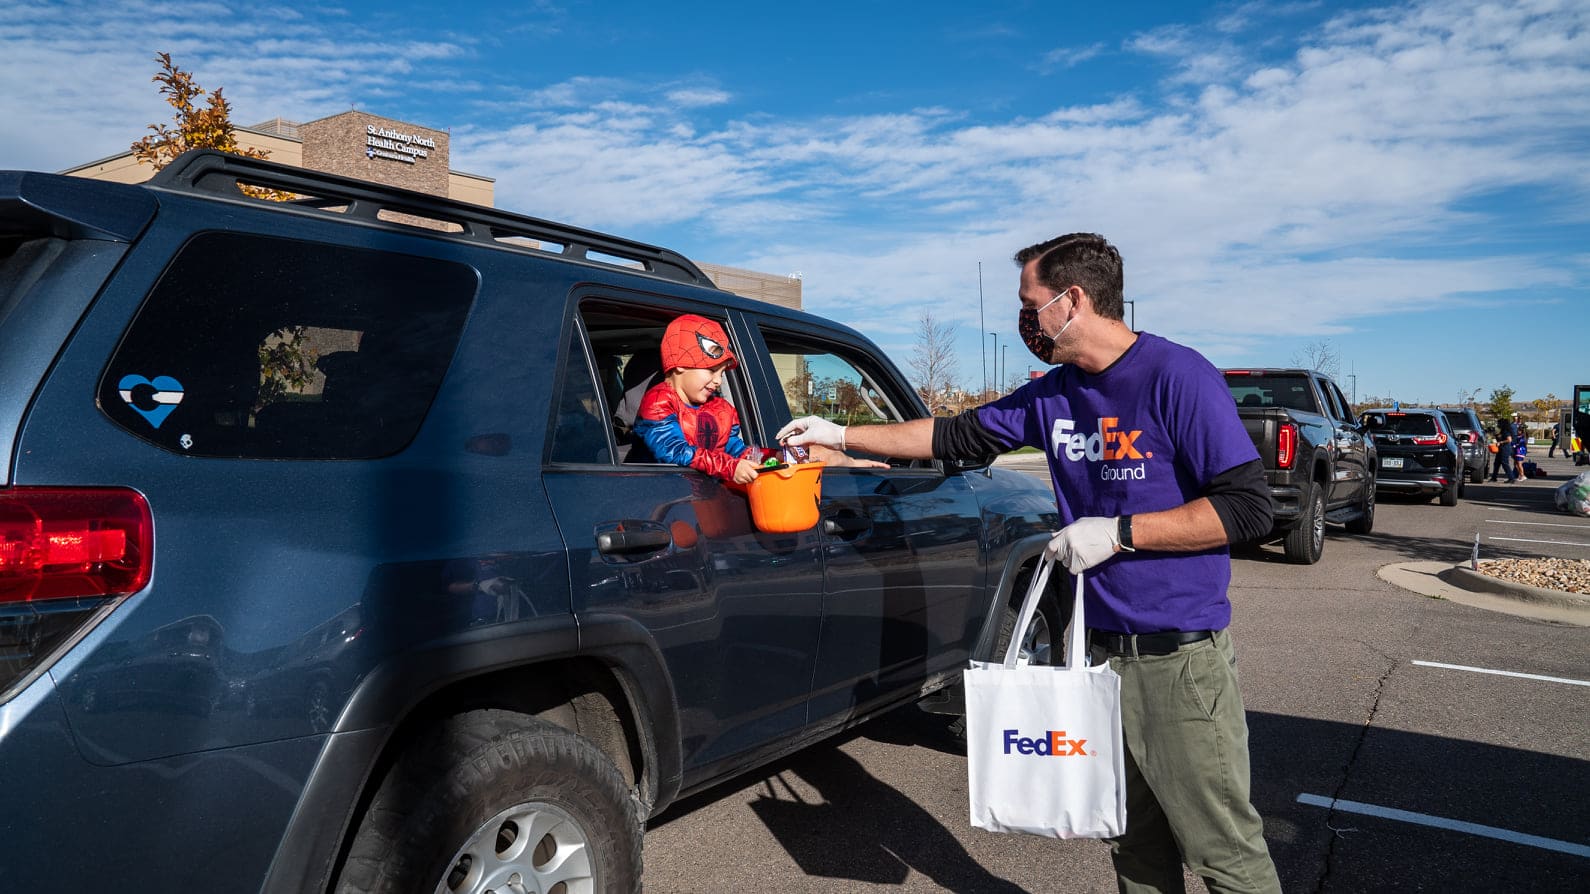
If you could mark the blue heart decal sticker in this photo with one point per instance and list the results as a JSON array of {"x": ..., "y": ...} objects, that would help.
[{"x": 168, "y": 393}]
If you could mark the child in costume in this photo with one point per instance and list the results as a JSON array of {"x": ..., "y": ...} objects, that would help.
[{"x": 682, "y": 418}]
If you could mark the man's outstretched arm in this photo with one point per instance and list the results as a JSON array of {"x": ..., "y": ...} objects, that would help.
[{"x": 902, "y": 440}]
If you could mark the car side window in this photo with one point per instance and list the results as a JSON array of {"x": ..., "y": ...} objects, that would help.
[
  {"x": 254, "y": 346},
  {"x": 1341, "y": 409},
  {"x": 624, "y": 344},
  {"x": 820, "y": 379},
  {"x": 578, "y": 433}
]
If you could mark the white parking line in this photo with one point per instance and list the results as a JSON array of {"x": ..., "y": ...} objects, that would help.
[
  {"x": 1554, "y": 542},
  {"x": 1440, "y": 822},
  {"x": 1502, "y": 673},
  {"x": 1498, "y": 521}
]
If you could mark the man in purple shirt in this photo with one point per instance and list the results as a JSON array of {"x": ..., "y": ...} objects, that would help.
[{"x": 1154, "y": 477}]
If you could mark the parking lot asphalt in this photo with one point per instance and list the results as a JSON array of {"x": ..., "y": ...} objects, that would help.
[{"x": 1401, "y": 741}]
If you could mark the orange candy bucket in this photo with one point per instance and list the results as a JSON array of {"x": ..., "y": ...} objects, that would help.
[{"x": 784, "y": 500}]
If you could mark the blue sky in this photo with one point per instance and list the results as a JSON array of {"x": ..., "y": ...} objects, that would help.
[{"x": 1405, "y": 184}]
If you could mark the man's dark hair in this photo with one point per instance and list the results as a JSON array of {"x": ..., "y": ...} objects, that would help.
[{"x": 1081, "y": 259}]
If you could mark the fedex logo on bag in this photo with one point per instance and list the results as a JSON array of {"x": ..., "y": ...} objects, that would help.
[{"x": 1053, "y": 743}]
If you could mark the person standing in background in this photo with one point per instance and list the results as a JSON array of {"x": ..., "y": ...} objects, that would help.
[
  {"x": 1503, "y": 464},
  {"x": 1520, "y": 453}
]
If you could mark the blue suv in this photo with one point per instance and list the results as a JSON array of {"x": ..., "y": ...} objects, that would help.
[{"x": 327, "y": 560}]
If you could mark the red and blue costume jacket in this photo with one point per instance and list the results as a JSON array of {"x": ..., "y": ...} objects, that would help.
[{"x": 706, "y": 438}]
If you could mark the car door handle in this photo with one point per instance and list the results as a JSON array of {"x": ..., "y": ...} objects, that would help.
[
  {"x": 629, "y": 542},
  {"x": 846, "y": 525}
]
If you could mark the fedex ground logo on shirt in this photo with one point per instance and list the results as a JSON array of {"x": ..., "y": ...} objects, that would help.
[
  {"x": 1109, "y": 442},
  {"x": 1053, "y": 743}
]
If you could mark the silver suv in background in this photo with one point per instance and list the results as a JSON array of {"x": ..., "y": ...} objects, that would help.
[{"x": 1472, "y": 438}]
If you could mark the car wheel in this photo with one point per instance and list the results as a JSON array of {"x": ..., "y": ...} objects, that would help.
[
  {"x": 1449, "y": 497},
  {"x": 1040, "y": 643},
  {"x": 1306, "y": 542},
  {"x": 1365, "y": 522},
  {"x": 497, "y": 801}
]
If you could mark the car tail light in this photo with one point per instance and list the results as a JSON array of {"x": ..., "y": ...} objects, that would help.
[
  {"x": 1286, "y": 446},
  {"x": 1435, "y": 440},
  {"x": 65, "y": 553},
  {"x": 64, "y": 543}
]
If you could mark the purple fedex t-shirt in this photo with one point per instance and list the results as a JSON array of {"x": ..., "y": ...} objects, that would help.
[{"x": 1147, "y": 434}]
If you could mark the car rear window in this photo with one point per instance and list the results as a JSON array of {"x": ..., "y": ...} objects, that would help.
[
  {"x": 1291, "y": 392},
  {"x": 1402, "y": 423},
  {"x": 1458, "y": 420},
  {"x": 251, "y": 346}
]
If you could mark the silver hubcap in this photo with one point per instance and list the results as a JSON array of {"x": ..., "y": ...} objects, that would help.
[
  {"x": 1319, "y": 523},
  {"x": 533, "y": 848},
  {"x": 1035, "y": 644}
]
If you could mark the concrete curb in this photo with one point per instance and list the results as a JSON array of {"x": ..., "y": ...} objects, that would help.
[
  {"x": 1458, "y": 584},
  {"x": 1462, "y": 576}
]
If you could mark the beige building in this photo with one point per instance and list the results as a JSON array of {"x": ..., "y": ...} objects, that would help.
[{"x": 380, "y": 150}]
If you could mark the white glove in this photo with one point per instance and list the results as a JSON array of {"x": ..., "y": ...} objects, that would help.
[
  {"x": 1085, "y": 542},
  {"x": 808, "y": 430}
]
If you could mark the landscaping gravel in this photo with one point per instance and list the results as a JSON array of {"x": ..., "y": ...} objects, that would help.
[{"x": 1565, "y": 575}]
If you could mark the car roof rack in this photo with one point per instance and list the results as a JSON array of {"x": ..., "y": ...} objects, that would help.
[{"x": 226, "y": 174}]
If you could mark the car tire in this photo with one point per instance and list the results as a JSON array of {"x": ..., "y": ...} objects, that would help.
[
  {"x": 1305, "y": 543},
  {"x": 454, "y": 811},
  {"x": 1042, "y": 643},
  {"x": 1365, "y": 522},
  {"x": 1449, "y": 496}
]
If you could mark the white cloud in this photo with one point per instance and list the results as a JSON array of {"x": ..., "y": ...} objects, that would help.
[
  {"x": 696, "y": 97},
  {"x": 1069, "y": 57},
  {"x": 87, "y": 67}
]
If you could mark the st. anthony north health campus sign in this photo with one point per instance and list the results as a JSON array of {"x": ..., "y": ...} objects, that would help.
[{"x": 383, "y": 142}]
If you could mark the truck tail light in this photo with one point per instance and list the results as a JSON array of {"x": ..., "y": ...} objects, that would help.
[
  {"x": 65, "y": 553},
  {"x": 1286, "y": 446}
]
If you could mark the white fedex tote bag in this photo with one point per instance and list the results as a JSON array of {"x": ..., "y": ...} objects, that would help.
[{"x": 1043, "y": 744}]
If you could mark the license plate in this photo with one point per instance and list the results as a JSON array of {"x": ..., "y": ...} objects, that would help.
[{"x": 1391, "y": 462}]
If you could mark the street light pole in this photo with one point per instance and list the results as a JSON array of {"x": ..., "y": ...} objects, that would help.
[
  {"x": 996, "y": 362},
  {"x": 981, "y": 324},
  {"x": 1003, "y": 369},
  {"x": 1133, "y": 306}
]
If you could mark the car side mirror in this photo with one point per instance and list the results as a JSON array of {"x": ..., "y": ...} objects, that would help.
[{"x": 969, "y": 464}]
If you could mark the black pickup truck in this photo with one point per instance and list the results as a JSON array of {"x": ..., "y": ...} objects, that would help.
[{"x": 1319, "y": 465}]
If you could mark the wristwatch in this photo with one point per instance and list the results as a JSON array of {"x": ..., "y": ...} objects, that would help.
[{"x": 1123, "y": 533}]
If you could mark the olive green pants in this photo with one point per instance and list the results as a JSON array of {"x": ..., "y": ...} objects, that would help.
[{"x": 1187, "y": 774}]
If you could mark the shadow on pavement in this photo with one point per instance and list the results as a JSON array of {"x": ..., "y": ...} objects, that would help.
[
  {"x": 863, "y": 830},
  {"x": 1316, "y": 849},
  {"x": 837, "y": 821}
]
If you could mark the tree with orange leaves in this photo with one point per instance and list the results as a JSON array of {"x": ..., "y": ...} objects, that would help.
[{"x": 197, "y": 128}]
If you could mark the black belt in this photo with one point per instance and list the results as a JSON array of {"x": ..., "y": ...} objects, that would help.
[{"x": 1146, "y": 643}]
